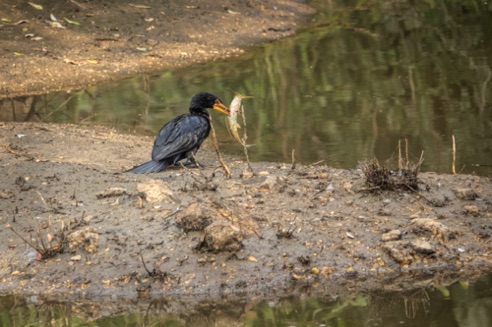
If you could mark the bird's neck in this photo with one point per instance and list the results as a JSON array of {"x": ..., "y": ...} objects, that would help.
[{"x": 199, "y": 112}]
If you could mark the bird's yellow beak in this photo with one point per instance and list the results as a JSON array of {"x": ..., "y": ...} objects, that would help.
[{"x": 219, "y": 106}]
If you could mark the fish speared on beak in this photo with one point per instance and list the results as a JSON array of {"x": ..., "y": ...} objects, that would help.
[{"x": 219, "y": 106}]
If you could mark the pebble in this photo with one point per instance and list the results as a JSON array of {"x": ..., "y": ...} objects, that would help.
[
  {"x": 472, "y": 210},
  {"x": 392, "y": 235},
  {"x": 465, "y": 193},
  {"x": 421, "y": 246}
]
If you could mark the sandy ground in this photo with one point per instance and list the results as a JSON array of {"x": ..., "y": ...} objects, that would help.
[
  {"x": 116, "y": 39},
  {"x": 279, "y": 231},
  {"x": 74, "y": 226}
]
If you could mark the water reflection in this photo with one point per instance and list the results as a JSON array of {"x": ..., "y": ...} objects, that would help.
[
  {"x": 461, "y": 304},
  {"x": 348, "y": 88}
]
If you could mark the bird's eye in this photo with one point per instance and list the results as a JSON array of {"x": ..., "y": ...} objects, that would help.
[{"x": 217, "y": 101}]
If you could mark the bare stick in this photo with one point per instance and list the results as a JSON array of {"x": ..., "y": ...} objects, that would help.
[
  {"x": 216, "y": 146},
  {"x": 293, "y": 159},
  {"x": 421, "y": 160},
  {"x": 25, "y": 240},
  {"x": 245, "y": 137},
  {"x": 77, "y": 4},
  {"x": 144, "y": 265},
  {"x": 399, "y": 155},
  {"x": 316, "y": 163},
  {"x": 406, "y": 150},
  {"x": 454, "y": 157}
]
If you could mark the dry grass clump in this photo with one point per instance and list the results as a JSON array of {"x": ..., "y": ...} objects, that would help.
[{"x": 382, "y": 178}]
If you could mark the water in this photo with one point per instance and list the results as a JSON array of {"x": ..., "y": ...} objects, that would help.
[
  {"x": 358, "y": 79},
  {"x": 361, "y": 77},
  {"x": 461, "y": 304}
]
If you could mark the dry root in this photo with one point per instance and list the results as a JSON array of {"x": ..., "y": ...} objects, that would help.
[{"x": 381, "y": 178}]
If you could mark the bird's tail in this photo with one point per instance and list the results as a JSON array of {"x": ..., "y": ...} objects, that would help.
[{"x": 149, "y": 167}]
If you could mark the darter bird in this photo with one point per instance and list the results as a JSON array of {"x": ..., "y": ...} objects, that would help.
[{"x": 182, "y": 137}]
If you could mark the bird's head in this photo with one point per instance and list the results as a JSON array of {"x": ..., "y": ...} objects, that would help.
[{"x": 203, "y": 100}]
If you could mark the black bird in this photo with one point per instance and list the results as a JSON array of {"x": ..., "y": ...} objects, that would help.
[{"x": 182, "y": 137}]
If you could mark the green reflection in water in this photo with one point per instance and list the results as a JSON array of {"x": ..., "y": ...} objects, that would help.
[
  {"x": 460, "y": 304},
  {"x": 363, "y": 76}
]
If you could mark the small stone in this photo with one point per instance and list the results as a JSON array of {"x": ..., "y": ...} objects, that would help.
[
  {"x": 195, "y": 217},
  {"x": 222, "y": 236},
  {"x": 87, "y": 218},
  {"x": 385, "y": 212},
  {"x": 155, "y": 191},
  {"x": 350, "y": 272},
  {"x": 426, "y": 226},
  {"x": 472, "y": 210},
  {"x": 269, "y": 183},
  {"x": 251, "y": 258},
  {"x": 399, "y": 252},
  {"x": 77, "y": 257},
  {"x": 111, "y": 192},
  {"x": 247, "y": 173},
  {"x": 422, "y": 247},
  {"x": 465, "y": 193},
  {"x": 392, "y": 235},
  {"x": 87, "y": 239}
]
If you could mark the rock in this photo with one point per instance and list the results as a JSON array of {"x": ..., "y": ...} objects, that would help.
[
  {"x": 155, "y": 191},
  {"x": 222, "y": 236},
  {"x": 385, "y": 212},
  {"x": 87, "y": 239},
  {"x": 247, "y": 173},
  {"x": 399, "y": 251},
  {"x": 269, "y": 183},
  {"x": 437, "y": 202},
  {"x": 421, "y": 246},
  {"x": 472, "y": 210},
  {"x": 23, "y": 183},
  {"x": 87, "y": 218},
  {"x": 195, "y": 217},
  {"x": 431, "y": 226},
  {"x": 465, "y": 193},
  {"x": 111, "y": 192},
  {"x": 392, "y": 235},
  {"x": 198, "y": 216}
]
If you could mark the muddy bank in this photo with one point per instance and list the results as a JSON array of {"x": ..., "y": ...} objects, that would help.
[
  {"x": 101, "y": 232},
  {"x": 71, "y": 45}
]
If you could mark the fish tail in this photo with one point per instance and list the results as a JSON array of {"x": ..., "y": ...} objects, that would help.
[
  {"x": 236, "y": 135},
  {"x": 149, "y": 167}
]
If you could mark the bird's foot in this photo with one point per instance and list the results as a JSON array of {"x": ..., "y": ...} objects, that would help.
[{"x": 192, "y": 164}]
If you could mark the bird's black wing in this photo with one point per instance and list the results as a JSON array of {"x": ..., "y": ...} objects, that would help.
[{"x": 180, "y": 135}]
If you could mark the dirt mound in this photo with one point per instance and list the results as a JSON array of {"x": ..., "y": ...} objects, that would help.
[{"x": 193, "y": 231}]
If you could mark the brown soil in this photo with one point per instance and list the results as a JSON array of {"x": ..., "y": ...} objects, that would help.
[
  {"x": 201, "y": 233},
  {"x": 314, "y": 229},
  {"x": 116, "y": 39}
]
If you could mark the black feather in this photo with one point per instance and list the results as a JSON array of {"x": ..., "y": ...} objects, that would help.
[{"x": 181, "y": 137}]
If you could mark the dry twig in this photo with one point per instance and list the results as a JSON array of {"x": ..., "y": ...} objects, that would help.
[
  {"x": 453, "y": 169},
  {"x": 245, "y": 137},
  {"x": 216, "y": 146}
]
